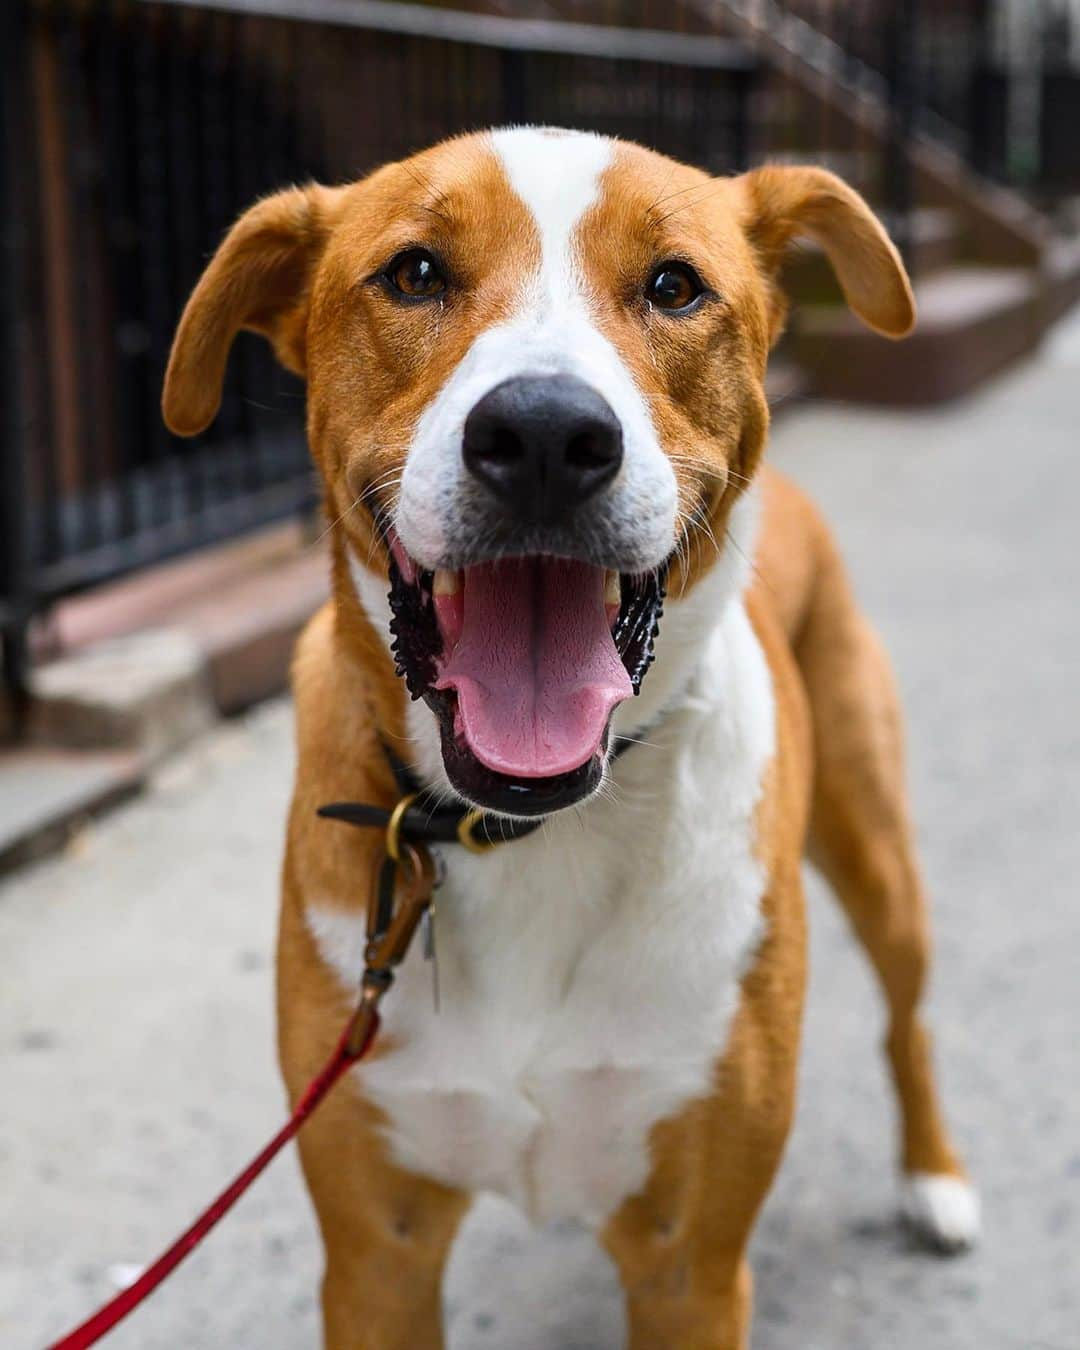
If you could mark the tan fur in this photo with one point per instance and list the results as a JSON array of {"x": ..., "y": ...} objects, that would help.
[{"x": 296, "y": 269}]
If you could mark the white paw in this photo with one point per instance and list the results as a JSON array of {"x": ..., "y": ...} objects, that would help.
[{"x": 942, "y": 1210}]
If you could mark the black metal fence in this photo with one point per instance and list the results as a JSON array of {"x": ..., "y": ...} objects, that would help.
[
  {"x": 998, "y": 81},
  {"x": 134, "y": 132}
]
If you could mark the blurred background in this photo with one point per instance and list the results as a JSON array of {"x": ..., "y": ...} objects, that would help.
[{"x": 151, "y": 591}]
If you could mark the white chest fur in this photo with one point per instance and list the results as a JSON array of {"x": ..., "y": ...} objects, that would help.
[{"x": 589, "y": 972}]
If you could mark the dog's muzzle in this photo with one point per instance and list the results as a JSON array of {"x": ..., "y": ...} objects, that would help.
[{"x": 531, "y": 628}]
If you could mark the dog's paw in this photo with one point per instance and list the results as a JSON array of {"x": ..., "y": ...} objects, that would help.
[{"x": 941, "y": 1210}]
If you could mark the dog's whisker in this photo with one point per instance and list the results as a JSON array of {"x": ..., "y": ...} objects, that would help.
[
  {"x": 429, "y": 187},
  {"x": 679, "y": 192},
  {"x": 660, "y": 198},
  {"x": 699, "y": 521},
  {"x": 335, "y": 523},
  {"x": 704, "y": 467},
  {"x": 685, "y": 206},
  {"x": 636, "y": 740},
  {"x": 750, "y": 562},
  {"x": 386, "y": 479}
]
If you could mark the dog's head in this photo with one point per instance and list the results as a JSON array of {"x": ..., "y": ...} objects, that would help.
[{"x": 534, "y": 365}]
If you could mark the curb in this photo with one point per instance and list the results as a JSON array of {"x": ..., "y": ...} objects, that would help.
[{"x": 49, "y": 795}]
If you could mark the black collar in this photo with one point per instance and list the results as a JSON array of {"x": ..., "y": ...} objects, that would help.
[{"x": 423, "y": 818}]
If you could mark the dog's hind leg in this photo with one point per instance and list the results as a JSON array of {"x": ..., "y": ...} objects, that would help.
[{"x": 861, "y": 838}]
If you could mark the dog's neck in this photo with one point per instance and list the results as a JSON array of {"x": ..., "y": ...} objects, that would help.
[{"x": 687, "y": 626}]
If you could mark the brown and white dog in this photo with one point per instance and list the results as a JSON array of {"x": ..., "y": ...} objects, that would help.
[{"x": 534, "y": 365}]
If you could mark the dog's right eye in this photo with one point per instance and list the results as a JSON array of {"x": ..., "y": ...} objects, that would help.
[{"x": 415, "y": 273}]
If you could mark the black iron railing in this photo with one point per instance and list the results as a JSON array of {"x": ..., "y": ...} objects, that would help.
[
  {"x": 997, "y": 81},
  {"x": 134, "y": 132}
]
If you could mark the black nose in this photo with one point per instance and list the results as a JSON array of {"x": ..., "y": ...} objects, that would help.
[{"x": 543, "y": 444}]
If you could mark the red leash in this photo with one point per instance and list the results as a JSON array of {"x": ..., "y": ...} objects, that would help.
[
  {"x": 395, "y": 908},
  {"x": 105, "y": 1319}
]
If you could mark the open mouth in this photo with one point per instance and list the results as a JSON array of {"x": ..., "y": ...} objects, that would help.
[{"x": 523, "y": 660}]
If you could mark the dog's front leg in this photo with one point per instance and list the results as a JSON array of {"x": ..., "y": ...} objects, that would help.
[
  {"x": 718, "y": 1321},
  {"x": 681, "y": 1293},
  {"x": 680, "y": 1244},
  {"x": 382, "y": 1291},
  {"x": 387, "y": 1235},
  {"x": 386, "y": 1232}
]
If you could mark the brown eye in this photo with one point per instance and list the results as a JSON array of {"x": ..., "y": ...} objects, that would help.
[
  {"x": 674, "y": 286},
  {"x": 416, "y": 274}
]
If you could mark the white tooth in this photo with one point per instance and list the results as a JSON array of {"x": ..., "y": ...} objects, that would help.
[
  {"x": 612, "y": 589},
  {"x": 446, "y": 583}
]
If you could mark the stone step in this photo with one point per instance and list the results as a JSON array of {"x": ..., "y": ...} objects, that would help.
[
  {"x": 246, "y": 630},
  {"x": 972, "y": 322},
  {"x": 46, "y": 794},
  {"x": 141, "y": 666},
  {"x": 1061, "y": 274},
  {"x": 145, "y": 692},
  {"x": 147, "y": 662},
  {"x": 146, "y": 598}
]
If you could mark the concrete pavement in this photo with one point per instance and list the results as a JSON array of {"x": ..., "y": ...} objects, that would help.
[{"x": 136, "y": 1049}]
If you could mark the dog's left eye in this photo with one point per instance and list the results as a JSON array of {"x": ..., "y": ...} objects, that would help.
[
  {"x": 674, "y": 286},
  {"x": 415, "y": 273}
]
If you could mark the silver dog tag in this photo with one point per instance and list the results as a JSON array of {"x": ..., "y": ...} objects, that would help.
[{"x": 431, "y": 952}]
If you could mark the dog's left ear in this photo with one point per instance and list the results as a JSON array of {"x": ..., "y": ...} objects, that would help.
[
  {"x": 778, "y": 203},
  {"x": 258, "y": 279}
]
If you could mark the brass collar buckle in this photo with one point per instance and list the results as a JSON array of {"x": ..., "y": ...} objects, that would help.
[
  {"x": 466, "y": 836},
  {"x": 393, "y": 826}
]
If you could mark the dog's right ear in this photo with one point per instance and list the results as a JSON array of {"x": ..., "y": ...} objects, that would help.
[{"x": 258, "y": 279}]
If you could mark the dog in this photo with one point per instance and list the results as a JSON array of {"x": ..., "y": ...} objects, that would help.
[{"x": 535, "y": 367}]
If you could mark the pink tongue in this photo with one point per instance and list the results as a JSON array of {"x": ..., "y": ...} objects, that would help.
[{"x": 535, "y": 668}]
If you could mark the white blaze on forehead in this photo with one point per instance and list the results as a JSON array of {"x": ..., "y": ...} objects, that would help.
[{"x": 557, "y": 176}]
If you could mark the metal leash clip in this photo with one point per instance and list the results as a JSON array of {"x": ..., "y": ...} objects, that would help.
[{"x": 399, "y": 901}]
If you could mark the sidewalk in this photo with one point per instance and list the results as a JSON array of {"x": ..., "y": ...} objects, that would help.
[{"x": 136, "y": 1042}]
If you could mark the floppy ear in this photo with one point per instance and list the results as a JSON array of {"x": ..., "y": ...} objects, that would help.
[
  {"x": 778, "y": 204},
  {"x": 258, "y": 279}
]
